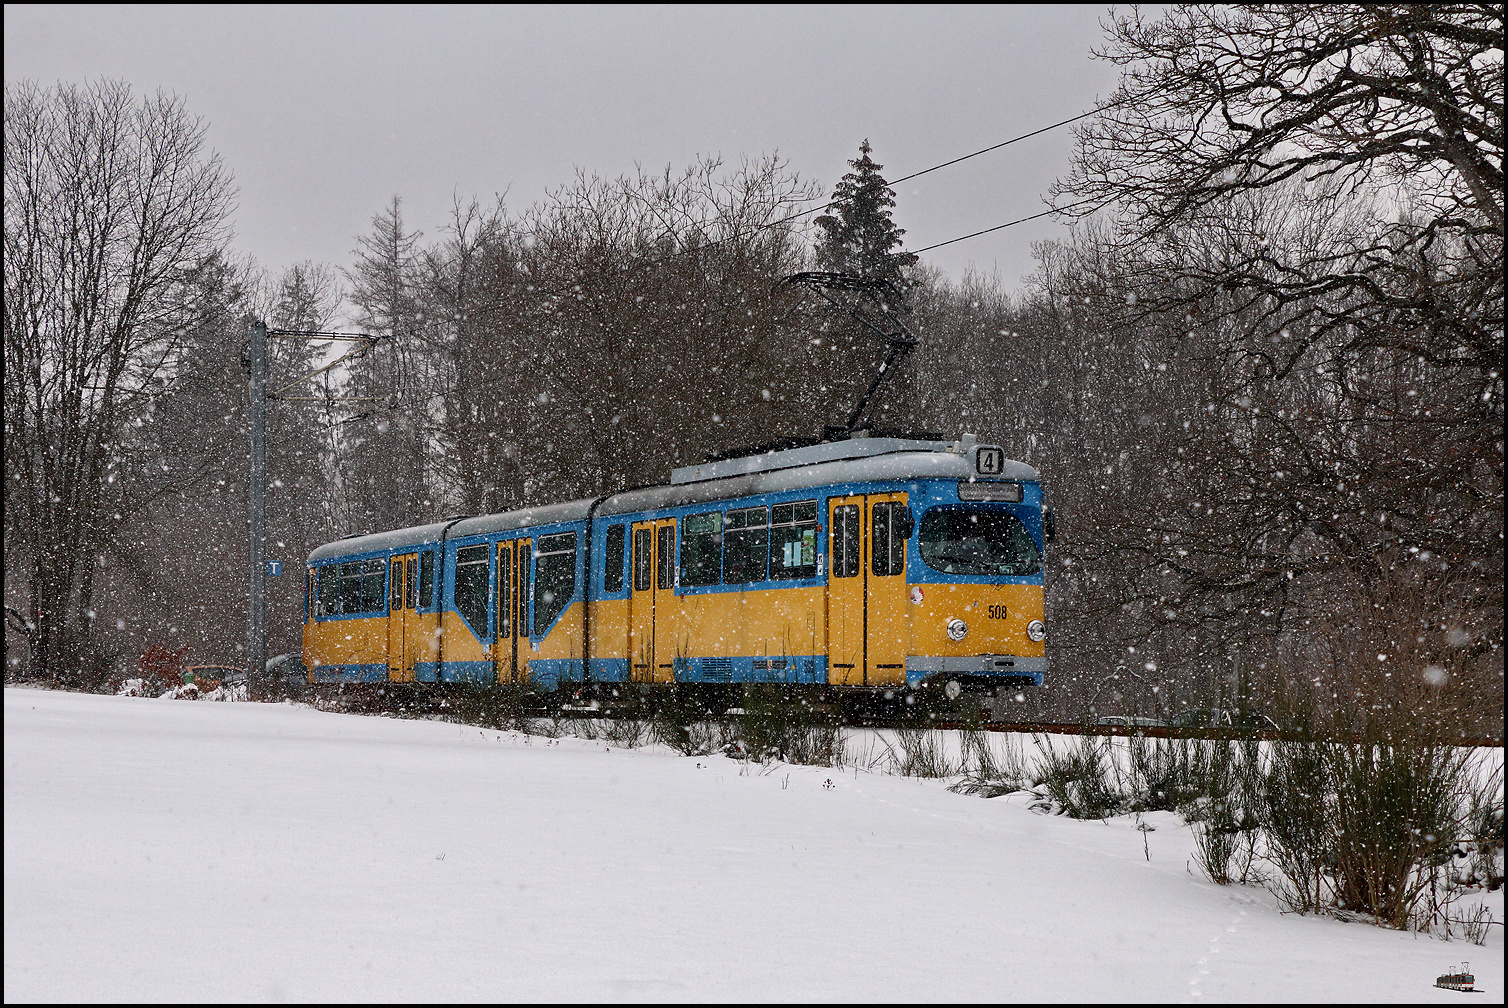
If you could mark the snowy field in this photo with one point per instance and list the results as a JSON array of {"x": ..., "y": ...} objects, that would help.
[{"x": 172, "y": 851}]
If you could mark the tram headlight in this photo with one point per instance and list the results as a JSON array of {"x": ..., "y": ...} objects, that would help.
[
  {"x": 1036, "y": 630},
  {"x": 957, "y": 629}
]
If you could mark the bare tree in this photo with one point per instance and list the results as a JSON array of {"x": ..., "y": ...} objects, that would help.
[
  {"x": 1303, "y": 207},
  {"x": 1383, "y": 119},
  {"x": 111, "y": 205},
  {"x": 621, "y": 327},
  {"x": 173, "y": 571}
]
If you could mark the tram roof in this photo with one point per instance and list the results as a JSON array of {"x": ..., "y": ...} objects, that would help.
[{"x": 878, "y": 460}]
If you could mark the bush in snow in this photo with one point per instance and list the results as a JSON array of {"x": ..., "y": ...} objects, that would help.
[
  {"x": 1297, "y": 818},
  {"x": 921, "y": 754},
  {"x": 627, "y": 732},
  {"x": 1483, "y": 847},
  {"x": 1080, "y": 782},
  {"x": 1399, "y": 806},
  {"x": 990, "y": 769},
  {"x": 500, "y": 706},
  {"x": 1227, "y": 779},
  {"x": 683, "y": 722},
  {"x": 777, "y": 725}
]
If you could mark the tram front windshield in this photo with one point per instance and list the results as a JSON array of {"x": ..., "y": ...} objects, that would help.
[{"x": 978, "y": 541}]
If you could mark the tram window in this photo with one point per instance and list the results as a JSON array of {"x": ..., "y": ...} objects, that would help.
[
  {"x": 888, "y": 544},
  {"x": 745, "y": 546},
  {"x": 667, "y": 556},
  {"x": 977, "y": 541},
  {"x": 643, "y": 560},
  {"x": 702, "y": 549},
  {"x": 329, "y": 590},
  {"x": 793, "y": 540},
  {"x": 427, "y": 579},
  {"x": 395, "y": 585},
  {"x": 504, "y": 598},
  {"x": 374, "y": 585},
  {"x": 554, "y": 578},
  {"x": 308, "y": 595},
  {"x": 845, "y": 533},
  {"x": 612, "y": 572},
  {"x": 350, "y": 587},
  {"x": 525, "y": 551},
  {"x": 411, "y": 582},
  {"x": 471, "y": 586}
]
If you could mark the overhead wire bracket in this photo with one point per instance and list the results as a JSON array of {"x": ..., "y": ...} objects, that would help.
[
  {"x": 899, "y": 340},
  {"x": 355, "y": 353}
]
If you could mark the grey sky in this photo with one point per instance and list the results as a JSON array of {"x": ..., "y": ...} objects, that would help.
[{"x": 324, "y": 113}]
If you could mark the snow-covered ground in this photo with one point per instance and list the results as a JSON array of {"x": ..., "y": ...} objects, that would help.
[{"x": 172, "y": 851}]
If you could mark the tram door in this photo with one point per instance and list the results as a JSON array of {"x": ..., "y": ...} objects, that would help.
[
  {"x": 651, "y": 599},
  {"x": 866, "y": 590},
  {"x": 505, "y": 653},
  {"x": 886, "y": 618},
  {"x": 403, "y": 627},
  {"x": 665, "y": 607},
  {"x": 518, "y": 636},
  {"x": 845, "y": 592}
]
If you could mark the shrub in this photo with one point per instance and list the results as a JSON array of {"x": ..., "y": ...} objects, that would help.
[
  {"x": 1397, "y": 810},
  {"x": 683, "y": 722},
  {"x": 778, "y": 725},
  {"x": 500, "y": 706},
  {"x": 1484, "y": 834},
  {"x": 1298, "y": 813},
  {"x": 986, "y": 771},
  {"x": 921, "y": 754},
  {"x": 1167, "y": 774},
  {"x": 627, "y": 732},
  {"x": 1080, "y": 782}
]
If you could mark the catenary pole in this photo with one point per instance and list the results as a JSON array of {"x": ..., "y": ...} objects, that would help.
[
  {"x": 256, "y": 606},
  {"x": 255, "y": 358}
]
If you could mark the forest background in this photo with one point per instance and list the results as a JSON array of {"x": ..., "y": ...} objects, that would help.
[{"x": 1262, "y": 380}]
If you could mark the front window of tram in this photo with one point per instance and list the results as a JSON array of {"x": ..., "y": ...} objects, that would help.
[{"x": 978, "y": 541}]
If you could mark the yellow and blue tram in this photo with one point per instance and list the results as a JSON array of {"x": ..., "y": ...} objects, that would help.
[{"x": 870, "y": 562}]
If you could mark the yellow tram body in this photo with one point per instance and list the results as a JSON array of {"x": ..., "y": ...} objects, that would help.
[{"x": 874, "y": 562}]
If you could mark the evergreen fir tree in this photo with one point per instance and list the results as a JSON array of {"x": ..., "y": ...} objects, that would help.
[{"x": 858, "y": 236}]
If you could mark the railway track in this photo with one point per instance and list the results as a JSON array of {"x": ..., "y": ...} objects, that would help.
[
  {"x": 416, "y": 704},
  {"x": 1120, "y": 731}
]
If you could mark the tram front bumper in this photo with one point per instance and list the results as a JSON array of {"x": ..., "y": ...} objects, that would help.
[{"x": 976, "y": 672}]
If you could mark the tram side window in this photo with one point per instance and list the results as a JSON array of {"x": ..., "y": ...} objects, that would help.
[
  {"x": 523, "y": 550},
  {"x": 702, "y": 549},
  {"x": 329, "y": 590},
  {"x": 667, "y": 556},
  {"x": 845, "y": 533},
  {"x": 374, "y": 585},
  {"x": 793, "y": 540},
  {"x": 612, "y": 562},
  {"x": 745, "y": 546},
  {"x": 643, "y": 560},
  {"x": 554, "y": 578},
  {"x": 350, "y": 587},
  {"x": 471, "y": 586},
  {"x": 889, "y": 540},
  {"x": 427, "y": 579},
  {"x": 308, "y": 595},
  {"x": 504, "y": 588}
]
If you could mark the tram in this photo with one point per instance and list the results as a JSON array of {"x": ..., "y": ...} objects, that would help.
[{"x": 858, "y": 564}]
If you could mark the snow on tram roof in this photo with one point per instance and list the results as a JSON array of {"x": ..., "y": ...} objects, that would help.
[{"x": 861, "y": 460}]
